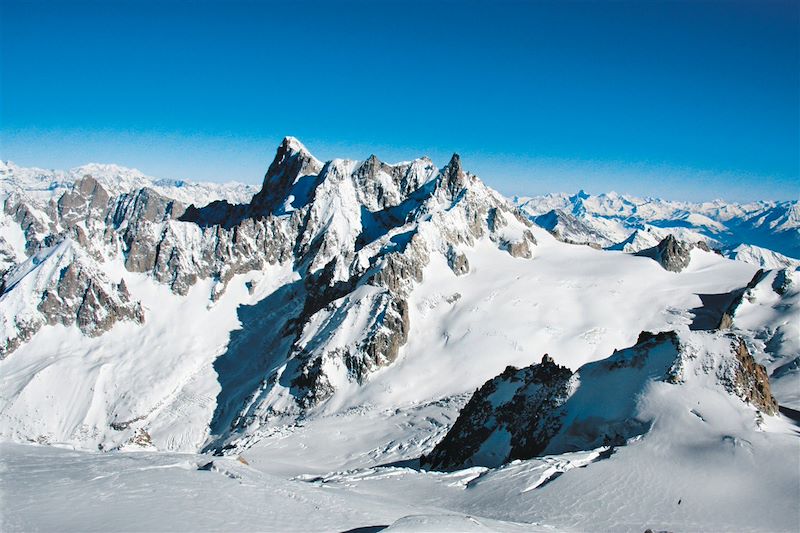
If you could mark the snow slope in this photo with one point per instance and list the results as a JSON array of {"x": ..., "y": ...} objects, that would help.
[
  {"x": 160, "y": 372},
  {"x": 722, "y": 472},
  {"x": 574, "y": 303}
]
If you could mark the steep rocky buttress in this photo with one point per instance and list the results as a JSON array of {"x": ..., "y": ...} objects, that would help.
[{"x": 546, "y": 409}]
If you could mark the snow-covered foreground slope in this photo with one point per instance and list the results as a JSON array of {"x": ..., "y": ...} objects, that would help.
[
  {"x": 357, "y": 470},
  {"x": 167, "y": 492}
]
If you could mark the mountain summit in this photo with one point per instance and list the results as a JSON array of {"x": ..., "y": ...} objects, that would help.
[{"x": 356, "y": 235}]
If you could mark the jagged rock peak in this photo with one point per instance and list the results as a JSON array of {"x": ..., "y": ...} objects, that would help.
[
  {"x": 293, "y": 144},
  {"x": 455, "y": 163},
  {"x": 292, "y": 160},
  {"x": 454, "y": 177},
  {"x": 370, "y": 166}
]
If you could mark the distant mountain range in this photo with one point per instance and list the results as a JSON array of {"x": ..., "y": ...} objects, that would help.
[{"x": 766, "y": 233}]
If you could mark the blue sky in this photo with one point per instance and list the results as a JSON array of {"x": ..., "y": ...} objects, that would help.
[{"x": 684, "y": 100}]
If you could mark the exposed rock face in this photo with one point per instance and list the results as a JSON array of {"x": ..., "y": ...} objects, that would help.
[
  {"x": 521, "y": 247},
  {"x": 519, "y": 405},
  {"x": 670, "y": 253},
  {"x": 735, "y": 370},
  {"x": 70, "y": 289},
  {"x": 454, "y": 178},
  {"x": 324, "y": 360},
  {"x": 87, "y": 201},
  {"x": 726, "y": 322},
  {"x": 765, "y": 315},
  {"x": 751, "y": 382},
  {"x": 8, "y": 258},
  {"x": 457, "y": 262},
  {"x": 292, "y": 161},
  {"x": 79, "y": 298},
  {"x": 546, "y": 409},
  {"x": 782, "y": 282}
]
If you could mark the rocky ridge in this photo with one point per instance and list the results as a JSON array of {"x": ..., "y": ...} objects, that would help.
[
  {"x": 546, "y": 409},
  {"x": 672, "y": 254},
  {"x": 358, "y": 235}
]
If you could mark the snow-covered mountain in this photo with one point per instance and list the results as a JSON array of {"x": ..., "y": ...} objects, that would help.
[
  {"x": 627, "y": 223},
  {"x": 324, "y": 257},
  {"x": 328, "y": 327}
]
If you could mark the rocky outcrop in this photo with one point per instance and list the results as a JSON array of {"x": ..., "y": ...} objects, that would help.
[
  {"x": 765, "y": 315},
  {"x": 734, "y": 368},
  {"x": 726, "y": 321},
  {"x": 670, "y": 253},
  {"x": 67, "y": 288},
  {"x": 326, "y": 357},
  {"x": 521, "y": 247},
  {"x": 93, "y": 305},
  {"x": 457, "y": 262},
  {"x": 512, "y": 416},
  {"x": 546, "y": 409},
  {"x": 8, "y": 258},
  {"x": 782, "y": 282},
  {"x": 37, "y": 222},
  {"x": 703, "y": 245},
  {"x": 751, "y": 381}
]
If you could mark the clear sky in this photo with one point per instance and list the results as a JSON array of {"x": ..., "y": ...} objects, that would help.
[{"x": 684, "y": 100}]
